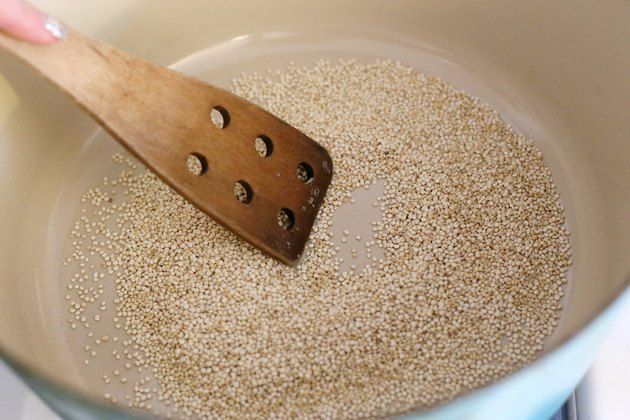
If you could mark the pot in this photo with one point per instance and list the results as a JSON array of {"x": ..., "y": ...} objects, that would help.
[{"x": 556, "y": 71}]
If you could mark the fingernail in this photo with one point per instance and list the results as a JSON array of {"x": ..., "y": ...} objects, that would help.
[{"x": 56, "y": 28}]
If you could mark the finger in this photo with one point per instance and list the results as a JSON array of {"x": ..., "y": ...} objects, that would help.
[{"x": 24, "y": 21}]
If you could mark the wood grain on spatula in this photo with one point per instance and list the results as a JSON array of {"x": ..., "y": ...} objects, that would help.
[{"x": 163, "y": 117}]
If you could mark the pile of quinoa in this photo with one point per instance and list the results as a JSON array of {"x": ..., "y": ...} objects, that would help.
[{"x": 475, "y": 259}]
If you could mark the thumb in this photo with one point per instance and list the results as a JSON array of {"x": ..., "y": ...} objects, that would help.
[{"x": 24, "y": 21}]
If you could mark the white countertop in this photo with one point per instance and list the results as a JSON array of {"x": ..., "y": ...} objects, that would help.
[{"x": 604, "y": 394}]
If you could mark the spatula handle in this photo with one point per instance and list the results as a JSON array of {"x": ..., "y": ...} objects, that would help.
[
  {"x": 99, "y": 77},
  {"x": 75, "y": 64}
]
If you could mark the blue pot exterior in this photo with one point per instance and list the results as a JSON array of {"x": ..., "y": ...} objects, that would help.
[{"x": 533, "y": 393}]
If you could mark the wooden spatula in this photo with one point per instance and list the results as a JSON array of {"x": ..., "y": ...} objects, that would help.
[{"x": 247, "y": 169}]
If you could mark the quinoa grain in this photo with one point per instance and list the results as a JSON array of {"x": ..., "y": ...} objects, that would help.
[{"x": 475, "y": 259}]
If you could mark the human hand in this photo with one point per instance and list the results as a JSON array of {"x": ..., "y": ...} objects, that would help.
[{"x": 24, "y": 21}]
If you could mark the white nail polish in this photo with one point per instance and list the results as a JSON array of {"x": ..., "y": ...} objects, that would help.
[{"x": 56, "y": 28}]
